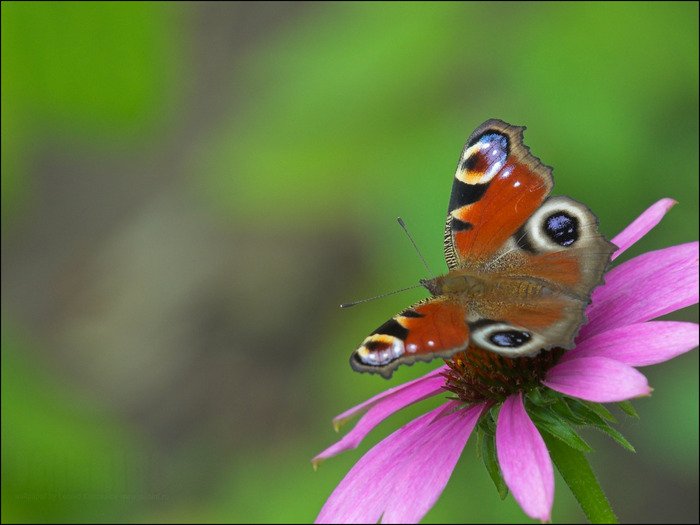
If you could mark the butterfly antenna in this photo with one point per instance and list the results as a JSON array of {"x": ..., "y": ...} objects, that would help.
[
  {"x": 348, "y": 305},
  {"x": 403, "y": 225}
]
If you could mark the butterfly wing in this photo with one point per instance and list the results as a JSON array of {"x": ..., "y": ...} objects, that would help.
[
  {"x": 498, "y": 185},
  {"x": 434, "y": 327}
]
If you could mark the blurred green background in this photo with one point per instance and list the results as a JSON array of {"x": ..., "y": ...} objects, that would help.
[{"x": 190, "y": 190}]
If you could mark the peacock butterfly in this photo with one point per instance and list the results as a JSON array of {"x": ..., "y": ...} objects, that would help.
[{"x": 522, "y": 265}]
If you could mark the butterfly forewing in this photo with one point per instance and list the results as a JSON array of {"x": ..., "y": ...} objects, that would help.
[{"x": 497, "y": 186}]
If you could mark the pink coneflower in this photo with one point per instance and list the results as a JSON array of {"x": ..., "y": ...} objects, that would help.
[{"x": 501, "y": 397}]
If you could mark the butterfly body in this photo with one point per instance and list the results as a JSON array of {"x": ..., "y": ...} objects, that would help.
[{"x": 522, "y": 265}]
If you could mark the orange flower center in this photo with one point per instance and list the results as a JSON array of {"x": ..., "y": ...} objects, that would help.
[{"x": 477, "y": 375}]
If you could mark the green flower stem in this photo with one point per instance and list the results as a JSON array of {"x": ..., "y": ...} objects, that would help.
[{"x": 574, "y": 468}]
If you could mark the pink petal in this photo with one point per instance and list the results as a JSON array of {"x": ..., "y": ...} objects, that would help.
[
  {"x": 368, "y": 488},
  {"x": 524, "y": 460},
  {"x": 597, "y": 379},
  {"x": 643, "y": 288},
  {"x": 429, "y": 465},
  {"x": 408, "y": 394},
  {"x": 640, "y": 344},
  {"x": 343, "y": 418},
  {"x": 361, "y": 496},
  {"x": 641, "y": 225}
]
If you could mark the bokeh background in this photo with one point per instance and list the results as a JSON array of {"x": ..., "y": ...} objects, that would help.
[{"x": 190, "y": 190}]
